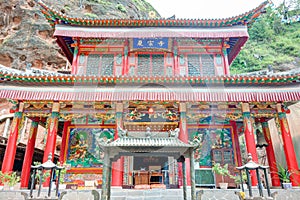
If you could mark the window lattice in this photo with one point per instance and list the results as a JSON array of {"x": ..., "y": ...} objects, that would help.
[
  {"x": 143, "y": 65},
  {"x": 208, "y": 66},
  {"x": 92, "y": 67},
  {"x": 157, "y": 65},
  {"x": 107, "y": 65},
  {"x": 194, "y": 65}
]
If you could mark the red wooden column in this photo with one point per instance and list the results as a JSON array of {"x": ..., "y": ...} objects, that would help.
[
  {"x": 62, "y": 156},
  {"x": 125, "y": 64},
  {"x": 176, "y": 67},
  {"x": 29, "y": 153},
  {"x": 236, "y": 143},
  {"x": 270, "y": 154},
  {"x": 117, "y": 167},
  {"x": 250, "y": 139},
  {"x": 52, "y": 132},
  {"x": 11, "y": 148},
  {"x": 288, "y": 146},
  {"x": 74, "y": 69},
  {"x": 226, "y": 64},
  {"x": 184, "y": 137}
]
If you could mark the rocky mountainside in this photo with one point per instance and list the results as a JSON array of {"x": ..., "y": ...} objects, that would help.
[{"x": 26, "y": 37}]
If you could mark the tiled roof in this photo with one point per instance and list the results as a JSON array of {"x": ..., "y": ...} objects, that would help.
[
  {"x": 56, "y": 17},
  {"x": 147, "y": 142},
  {"x": 13, "y": 76}
]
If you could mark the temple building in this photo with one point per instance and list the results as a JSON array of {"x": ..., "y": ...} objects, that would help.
[{"x": 142, "y": 94}]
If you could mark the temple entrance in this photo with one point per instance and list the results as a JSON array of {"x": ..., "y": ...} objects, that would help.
[{"x": 150, "y": 171}]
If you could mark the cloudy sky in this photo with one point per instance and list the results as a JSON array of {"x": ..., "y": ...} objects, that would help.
[{"x": 205, "y": 8}]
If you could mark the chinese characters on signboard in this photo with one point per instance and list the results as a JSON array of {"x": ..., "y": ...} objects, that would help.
[{"x": 156, "y": 43}]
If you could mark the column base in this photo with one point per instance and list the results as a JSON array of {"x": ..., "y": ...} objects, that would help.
[
  {"x": 116, "y": 187},
  {"x": 187, "y": 187}
]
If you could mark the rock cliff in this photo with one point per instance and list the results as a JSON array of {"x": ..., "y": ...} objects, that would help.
[{"x": 26, "y": 37}]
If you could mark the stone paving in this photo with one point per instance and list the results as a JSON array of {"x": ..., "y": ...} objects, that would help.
[{"x": 156, "y": 194}]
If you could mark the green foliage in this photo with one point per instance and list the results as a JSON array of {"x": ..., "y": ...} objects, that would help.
[
  {"x": 283, "y": 174},
  {"x": 237, "y": 178},
  {"x": 9, "y": 178},
  {"x": 271, "y": 42},
  {"x": 91, "y": 15},
  {"x": 103, "y": 2},
  {"x": 67, "y": 7},
  {"x": 38, "y": 177},
  {"x": 62, "y": 172},
  {"x": 222, "y": 170},
  {"x": 121, "y": 7}
]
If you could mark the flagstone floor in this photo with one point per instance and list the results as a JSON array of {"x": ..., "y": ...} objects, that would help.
[{"x": 155, "y": 194}]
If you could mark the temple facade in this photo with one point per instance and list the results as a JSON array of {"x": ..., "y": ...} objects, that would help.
[{"x": 152, "y": 89}]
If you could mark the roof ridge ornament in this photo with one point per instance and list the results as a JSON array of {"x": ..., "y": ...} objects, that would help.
[
  {"x": 174, "y": 133},
  {"x": 56, "y": 17}
]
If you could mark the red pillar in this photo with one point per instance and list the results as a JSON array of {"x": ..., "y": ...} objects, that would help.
[
  {"x": 11, "y": 148},
  {"x": 270, "y": 154},
  {"x": 288, "y": 147},
  {"x": 184, "y": 137},
  {"x": 250, "y": 139},
  {"x": 62, "y": 156},
  {"x": 52, "y": 132},
  {"x": 74, "y": 69},
  {"x": 226, "y": 64},
  {"x": 176, "y": 66},
  {"x": 29, "y": 154},
  {"x": 125, "y": 64},
  {"x": 51, "y": 136},
  {"x": 236, "y": 144},
  {"x": 117, "y": 167}
]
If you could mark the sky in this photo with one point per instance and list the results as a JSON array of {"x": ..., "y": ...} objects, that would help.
[{"x": 201, "y": 9}]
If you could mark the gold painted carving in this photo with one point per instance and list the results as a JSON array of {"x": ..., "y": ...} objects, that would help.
[
  {"x": 204, "y": 106},
  {"x": 38, "y": 105},
  {"x": 27, "y": 105},
  {"x": 222, "y": 106},
  {"x": 197, "y": 116},
  {"x": 98, "y": 106},
  {"x": 69, "y": 117},
  {"x": 234, "y": 116},
  {"x": 103, "y": 116},
  {"x": 63, "y": 105},
  {"x": 37, "y": 114},
  {"x": 262, "y": 106},
  {"x": 77, "y": 106},
  {"x": 266, "y": 115}
]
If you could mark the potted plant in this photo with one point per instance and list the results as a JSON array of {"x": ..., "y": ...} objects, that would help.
[
  {"x": 38, "y": 177},
  {"x": 61, "y": 180},
  {"x": 223, "y": 171},
  {"x": 238, "y": 181},
  {"x": 10, "y": 179},
  {"x": 284, "y": 176},
  {"x": 1, "y": 180}
]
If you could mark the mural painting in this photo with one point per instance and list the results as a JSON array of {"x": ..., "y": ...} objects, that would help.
[
  {"x": 83, "y": 146},
  {"x": 210, "y": 138}
]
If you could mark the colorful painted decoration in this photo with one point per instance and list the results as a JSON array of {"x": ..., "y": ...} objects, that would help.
[
  {"x": 83, "y": 148},
  {"x": 210, "y": 138}
]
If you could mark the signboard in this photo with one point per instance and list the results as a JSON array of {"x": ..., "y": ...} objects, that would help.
[{"x": 150, "y": 43}]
